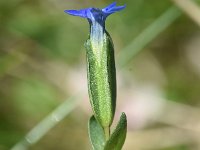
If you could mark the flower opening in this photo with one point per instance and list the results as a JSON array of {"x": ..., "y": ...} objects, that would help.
[{"x": 96, "y": 14}]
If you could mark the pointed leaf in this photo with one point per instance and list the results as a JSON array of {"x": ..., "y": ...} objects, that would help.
[
  {"x": 118, "y": 136},
  {"x": 96, "y": 134}
]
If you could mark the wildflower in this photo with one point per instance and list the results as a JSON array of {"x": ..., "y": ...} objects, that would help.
[
  {"x": 96, "y": 18},
  {"x": 101, "y": 63}
]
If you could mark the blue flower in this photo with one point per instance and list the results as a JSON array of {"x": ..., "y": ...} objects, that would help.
[
  {"x": 101, "y": 64},
  {"x": 96, "y": 18},
  {"x": 95, "y": 14}
]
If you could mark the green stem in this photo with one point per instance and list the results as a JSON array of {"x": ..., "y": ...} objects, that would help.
[{"x": 107, "y": 132}]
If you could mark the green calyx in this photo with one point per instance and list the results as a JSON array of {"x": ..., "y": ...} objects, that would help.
[{"x": 101, "y": 79}]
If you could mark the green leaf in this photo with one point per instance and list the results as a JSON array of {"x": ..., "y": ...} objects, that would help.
[
  {"x": 118, "y": 136},
  {"x": 96, "y": 134}
]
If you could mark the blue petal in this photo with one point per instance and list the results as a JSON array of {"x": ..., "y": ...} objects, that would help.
[
  {"x": 81, "y": 13},
  {"x": 109, "y": 7},
  {"x": 111, "y": 10}
]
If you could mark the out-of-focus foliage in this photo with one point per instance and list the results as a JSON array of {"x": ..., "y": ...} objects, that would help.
[{"x": 42, "y": 59}]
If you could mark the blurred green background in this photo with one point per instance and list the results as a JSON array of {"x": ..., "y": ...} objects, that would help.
[{"x": 42, "y": 64}]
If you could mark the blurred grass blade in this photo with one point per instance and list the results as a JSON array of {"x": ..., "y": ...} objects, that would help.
[
  {"x": 118, "y": 136},
  {"x": 49, "y": 122},
  {"x": 137, "y": 45},
  {"x": 191, "y": 8},
  {"x": 96, "y": 134}
]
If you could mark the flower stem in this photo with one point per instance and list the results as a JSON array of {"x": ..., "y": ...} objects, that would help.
[{"x": 107, "y": 132}]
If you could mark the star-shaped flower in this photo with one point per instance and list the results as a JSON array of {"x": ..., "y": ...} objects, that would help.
[{"x": 96, "y": 14}]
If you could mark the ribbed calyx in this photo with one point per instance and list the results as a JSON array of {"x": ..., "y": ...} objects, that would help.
[{"x": 101, "y": 64}]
